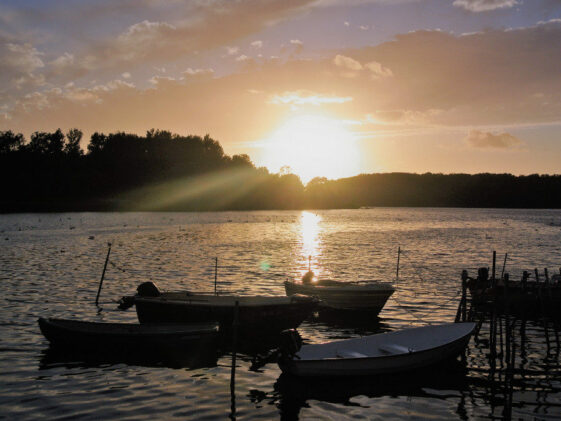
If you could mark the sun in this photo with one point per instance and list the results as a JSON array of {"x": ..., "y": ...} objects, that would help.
[{"x": 313, "y": 146}]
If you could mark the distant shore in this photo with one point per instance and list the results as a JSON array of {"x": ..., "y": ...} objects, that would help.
[{"x": 168, "y": 172}]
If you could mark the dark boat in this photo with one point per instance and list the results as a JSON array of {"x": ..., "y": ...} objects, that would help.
[
  {"x": 74, "y": 334},
  {"x": 350, "y": 297},
  {"x": 254, "y": 312}
]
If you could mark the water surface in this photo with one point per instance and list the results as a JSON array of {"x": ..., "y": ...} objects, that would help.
[{"x": 51, "y": 264}]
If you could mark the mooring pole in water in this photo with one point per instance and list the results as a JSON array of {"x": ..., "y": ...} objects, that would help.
[
  {"x": 103, "y": 273},
  {"x": 546, "y": 274},
  {"x": 461, "y": 313},
  {"x": 397, "y": 269},
  {"x": 493, "y": 277},
  {"x": 507, "y": 324},
  {"x": 504, "y": 264},
  {"x": 215, "y": 274},
  {"x": 309, "y": 263},
  {"x": 235, "y": 325}
]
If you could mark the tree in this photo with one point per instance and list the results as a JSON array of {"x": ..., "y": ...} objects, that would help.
[
  {"x": 10, "y": 141},
  {"x": 242, "y": 160},
  {"x": 72, "y": 145},
  {"x": 97, "y": 143},
  {"x": 46, "y": 143}
]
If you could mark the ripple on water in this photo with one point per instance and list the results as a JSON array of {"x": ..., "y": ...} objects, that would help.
[{"x": 52, "y": 262}]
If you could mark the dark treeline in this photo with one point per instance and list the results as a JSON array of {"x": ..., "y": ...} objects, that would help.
[{"x": 165, "y": 171}]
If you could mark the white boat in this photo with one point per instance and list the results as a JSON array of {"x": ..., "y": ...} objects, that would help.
[
  {"x": 364, "y": 297},
  {"x": 391, "y": 352}
]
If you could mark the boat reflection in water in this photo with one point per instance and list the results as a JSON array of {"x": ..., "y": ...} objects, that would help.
[
  {"x": 166, "y": 356},
  {"x": 292, "y": 394}
]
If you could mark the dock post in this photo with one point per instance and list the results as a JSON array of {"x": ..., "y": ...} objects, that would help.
[
  {"x": 493, "y": 277},
  {"x": 461, "y": 312},
  {"x": 504, "y": 265},
  {"x": 215, "y": 274},
  {"x": 464, "y": 295},
  {"x": 235, "y": 325},
  {"x": 103, "y": 273},
  {"x": 397, "y": 269}
]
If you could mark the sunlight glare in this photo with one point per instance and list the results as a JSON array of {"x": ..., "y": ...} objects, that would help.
[
  {"x": 311, "y": 243},
  {"x": 313, "y": 146}
]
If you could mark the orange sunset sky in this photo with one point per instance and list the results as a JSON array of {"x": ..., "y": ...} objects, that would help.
[{"x": 327, "y": 87}]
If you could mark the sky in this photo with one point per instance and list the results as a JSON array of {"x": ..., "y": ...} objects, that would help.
[{"x": 329, "y": 88}]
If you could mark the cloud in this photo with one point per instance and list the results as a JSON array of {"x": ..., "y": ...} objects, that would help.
[
  {"x": 194, "y": 27},
  {"x": 485, "y": 5},
  {"x": 20, "y": 69},
  {"x": 480, "y": 139},
  {"x": 257, "y": 44},
  {"x": 306, "y": 98},
  {"x": 378, "y": 70},
  {"x": 297, "y": 45},
  {"x": 347, "y": 62},
  {"x": 22, "y": 57},
  {"x": 192, "y": 74},
  {"x": 352, "y": 67},
  {"x": 486, "y": 78},
  {"x": 242, "y": 57},
  {"x": 230, "y": 51},
  {"x": 494, "y": 78},
  {"x": 158, "y": 80},
  {"x": 63, "y": 61}
]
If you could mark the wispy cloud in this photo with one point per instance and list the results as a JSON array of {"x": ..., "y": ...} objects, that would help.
[
  {"x": 306, "y": 98},
  {"x": 485, "y": 5},
  {"x": 481, "y": 139}
]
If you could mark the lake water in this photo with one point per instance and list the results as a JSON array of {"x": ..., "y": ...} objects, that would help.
[{"x": 50, "y": 266}]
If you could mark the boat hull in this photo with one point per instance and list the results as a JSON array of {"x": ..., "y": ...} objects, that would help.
[
  {"x": 122, "y": 337},
  {"x": 270, "y": 316},
  {"x": 365, "y": 366},
  {"x": 363, "y": 300}
]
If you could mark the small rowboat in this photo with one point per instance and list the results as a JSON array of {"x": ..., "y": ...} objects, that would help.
[
  {"x": 125, "y": 336},
  {"x": 391, "y": 352},
  {"x": 254, "y": 312},
  {"x": 345, "y": 296}
]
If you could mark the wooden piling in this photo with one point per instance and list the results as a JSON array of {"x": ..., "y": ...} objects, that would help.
[
  {"x": 461, "y": 312},
  {"x": 103, "y": 274},
  {"x": 215, "y": 275},
  {"x": 493, "y": 277},
  {"x": 235, "y": 325}
]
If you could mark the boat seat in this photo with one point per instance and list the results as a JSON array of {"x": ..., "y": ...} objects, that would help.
[
  {"x": 347, "y": 353},
  {"x": 390, "y": 349}
]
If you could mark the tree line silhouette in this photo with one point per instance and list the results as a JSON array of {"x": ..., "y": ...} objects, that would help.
[{"x": 166, "y": 171}]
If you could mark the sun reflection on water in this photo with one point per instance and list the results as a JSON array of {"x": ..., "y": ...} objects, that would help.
[{"x": 310, "y": 242}]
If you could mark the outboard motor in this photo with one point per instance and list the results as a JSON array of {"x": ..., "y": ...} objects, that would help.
[
  {"x": 483, "y": 274},
  {"x": 308, "y": 277},
  {"x": 290, "y": 343},
  {"x": 148, "y": 289}
]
